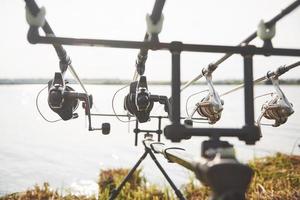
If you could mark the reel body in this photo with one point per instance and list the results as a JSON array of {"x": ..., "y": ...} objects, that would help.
[
  {"x": 206, "y": 108},
  {"x": 58, "y": 100},
  {"x": 275, "y": 109},
  {"x": 211, "y": 106},
  {"x": 278, "y": 108},
  {"x": 64, "y": 100},
  {"x": 138, "y": 102}
]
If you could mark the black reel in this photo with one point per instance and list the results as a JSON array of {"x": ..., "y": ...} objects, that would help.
[
  {"x": 60, "y": 103},
  {"x": 64, "y": 100},
  {"x": 139, "y": 102}
]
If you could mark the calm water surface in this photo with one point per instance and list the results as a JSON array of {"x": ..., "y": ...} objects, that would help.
[{"x": 66, "y": 155}]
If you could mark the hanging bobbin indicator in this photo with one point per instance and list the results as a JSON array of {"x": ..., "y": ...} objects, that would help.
[
  {"x": 38, "y": 20},
  {"x": 154, "y": 28},
  {"x": 266, "y": 33}
]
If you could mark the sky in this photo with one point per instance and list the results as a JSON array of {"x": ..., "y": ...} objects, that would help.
[{"x": 215, "y": 22}]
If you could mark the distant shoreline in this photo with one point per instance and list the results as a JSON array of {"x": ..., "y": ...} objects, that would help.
[{"x": 22, "y": 81}]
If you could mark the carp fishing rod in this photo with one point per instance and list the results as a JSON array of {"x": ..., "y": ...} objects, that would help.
[
  {"x": 35, "y": 17},
  {"x": 139, "y": 101},
  {"x": 278, "y": 108},
  {"x": 154, "y": 27},
  {"x": 212, "y": 105},
  {"x": 276, "y": 73},
  {"x": 62, "y": 99},
  {"x": 266, "y": 31}
]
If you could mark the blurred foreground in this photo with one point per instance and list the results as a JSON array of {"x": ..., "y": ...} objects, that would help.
[{"x": 276, "y": 177}]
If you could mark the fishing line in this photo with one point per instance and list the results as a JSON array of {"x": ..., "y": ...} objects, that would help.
[
  {"x": 267, "y": 26},
  {"x": 295, "y": 145},
  {"x": 189, "y": 97},
  {"x": 38, "y": 109},
  {"x": 278, "y": 72},
  {"x": 113, "y": 106},
  {"x": 270, "y": 93}
]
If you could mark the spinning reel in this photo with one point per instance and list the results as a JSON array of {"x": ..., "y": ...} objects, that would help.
[
  {"x": 212, "y": 105},
  {"x": 139, "y": 102},
  {"x": 64, "y": 100},
  {"x": 278, "y": 108},
  {"x": 59, "y": 98}
]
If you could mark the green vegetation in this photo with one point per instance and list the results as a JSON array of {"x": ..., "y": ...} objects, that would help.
[{"x": 276, "y": 178}]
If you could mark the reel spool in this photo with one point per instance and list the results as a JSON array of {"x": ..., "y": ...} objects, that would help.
[
  {"x": 206, "y": 108},
  {"x": 64, "y": 100},
  {"x": 60, "y": 103},
  {"x": 278, "y": 108},
  {"x": 211, "y": 106},
  {"x": 138, "y": 102}
]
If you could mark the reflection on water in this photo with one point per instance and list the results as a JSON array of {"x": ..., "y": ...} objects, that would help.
[{"x": 66, "y": 155}]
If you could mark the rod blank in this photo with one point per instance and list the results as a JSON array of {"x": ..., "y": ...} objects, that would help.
[
  {"x": 143, "y": 53},
  {"x": 270, "y": 23},
  {"x": 60, "y": 51},
  {"x": 278, "y": 72}
]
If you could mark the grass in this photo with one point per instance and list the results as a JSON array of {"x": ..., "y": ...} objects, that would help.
[{"x": 276, "y": 178}]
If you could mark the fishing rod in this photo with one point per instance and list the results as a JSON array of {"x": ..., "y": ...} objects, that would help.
[
  {"x": 62, "y": 99},
  {"x": 278, "y": 108},
  {"x": 36, "y": 18},
  {"x": 265, "y": 31},
  {"x": 276, "y": 73},
  {"x": 211, "y": 106},
  {"x": 139, "y": 102},
  {"x": 154, "y": 27}
]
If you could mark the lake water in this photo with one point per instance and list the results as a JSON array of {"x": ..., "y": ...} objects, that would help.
[{"x": 67, "y": 155}]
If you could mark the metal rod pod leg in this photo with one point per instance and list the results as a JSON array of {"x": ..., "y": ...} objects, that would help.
[{"x": 116, "y": 191}]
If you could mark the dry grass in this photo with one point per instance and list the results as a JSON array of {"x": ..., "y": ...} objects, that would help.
[
  {"x": 136, "y": 188},
  {"x": 276, "y": 178}
]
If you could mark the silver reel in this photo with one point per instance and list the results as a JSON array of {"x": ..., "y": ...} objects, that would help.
[
  {"x": 278, "y": 108},
  {"x": 211, "y": 106}
]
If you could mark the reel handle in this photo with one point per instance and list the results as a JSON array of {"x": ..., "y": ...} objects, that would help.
[
  {"x": 105, "y": 128},
  {"x": 87, "y": 104}
]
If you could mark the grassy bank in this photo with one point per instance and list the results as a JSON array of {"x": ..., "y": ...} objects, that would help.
[{"x": 276, "y": 178}]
